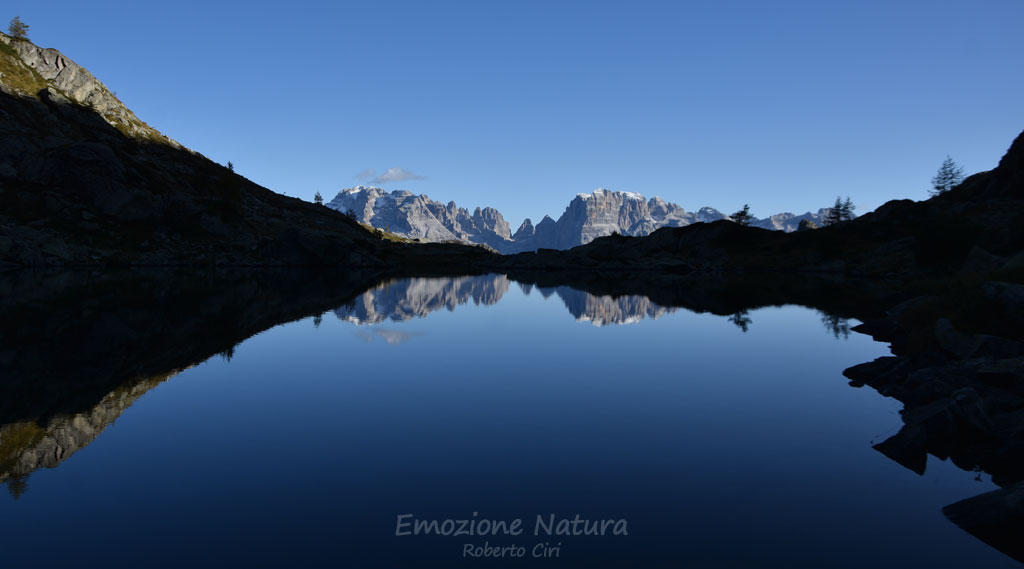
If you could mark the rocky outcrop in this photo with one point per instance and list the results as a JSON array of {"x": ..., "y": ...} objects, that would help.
[
  {"x": 525, "y": 231},
  {"x": 588, "y": 216},
  {"x": 961, "y": 383},
  {"x": 806, "y": 225},
  {"x": 490, "y": 220},
  {"x": 70, "y": 80},
  {"x": 710, "y": 214},
  {"x": 960, "y": 377},
  {"x": 419, "y": 217}
]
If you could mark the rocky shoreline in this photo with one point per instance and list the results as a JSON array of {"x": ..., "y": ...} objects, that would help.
[{"x": 961, "y": 382}]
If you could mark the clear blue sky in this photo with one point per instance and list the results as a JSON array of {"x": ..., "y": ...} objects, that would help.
[{"x": 521, "y": 105}]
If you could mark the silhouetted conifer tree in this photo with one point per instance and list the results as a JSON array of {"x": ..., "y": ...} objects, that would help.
[
  {"x": 948, "y": 177},
  {"x": 742, "y": 216},
  {"x": 842, "y": 210}
]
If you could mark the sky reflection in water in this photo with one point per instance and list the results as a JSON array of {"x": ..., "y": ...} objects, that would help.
[{"x": 437, "y": 397}]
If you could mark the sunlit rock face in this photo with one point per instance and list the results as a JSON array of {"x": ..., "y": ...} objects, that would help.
[
  {"x": 419, "y": 217},
  {"x": 587, "y": 217},
  {"x": 604, "y": 212},
  {"x": 415, "y": 298},
  {"x": 68, "y": 80}
]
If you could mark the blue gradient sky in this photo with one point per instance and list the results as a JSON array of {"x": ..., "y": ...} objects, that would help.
[{"x": 519, "y": 106}]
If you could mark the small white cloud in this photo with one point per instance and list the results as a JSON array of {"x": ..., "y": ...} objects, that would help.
[
  {"x": 365, "y": 174},
  {"x": 396, "y": 174}
]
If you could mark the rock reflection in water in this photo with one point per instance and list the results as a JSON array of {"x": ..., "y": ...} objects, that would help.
[
  {"x": 603, "y": 310},
  {"x": 402, "y": 300},
  {"x": 405, "y": 299},
  {"x": 26, "y": 446}
]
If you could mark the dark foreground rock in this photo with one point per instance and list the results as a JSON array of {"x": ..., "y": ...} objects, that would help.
[
  {"x": 995, "y": 517},
  {"x": 958, "y": 369}
]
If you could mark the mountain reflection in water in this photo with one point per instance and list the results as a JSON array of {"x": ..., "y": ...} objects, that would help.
[
  {"x": 121, "y": 318},
  {"x": 404, "y": 299},
  {"x": 120, "y": 336}
]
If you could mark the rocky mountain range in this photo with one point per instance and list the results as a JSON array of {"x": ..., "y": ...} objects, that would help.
[
  {"x": 587, "y": 217},
  {"x": 84, "y": 181}
]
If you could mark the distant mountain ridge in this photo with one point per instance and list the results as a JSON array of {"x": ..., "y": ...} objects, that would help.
[{"x": 587, "y": 217}]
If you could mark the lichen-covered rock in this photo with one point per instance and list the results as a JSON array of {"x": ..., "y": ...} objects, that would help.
[{"x": 72, "y": 82}]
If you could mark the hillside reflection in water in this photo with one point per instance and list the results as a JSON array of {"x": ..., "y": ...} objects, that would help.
[{"x": 724, "y": 439}]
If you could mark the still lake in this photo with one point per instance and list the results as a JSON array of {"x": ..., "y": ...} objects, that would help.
[{"x": 714, "y": 441}]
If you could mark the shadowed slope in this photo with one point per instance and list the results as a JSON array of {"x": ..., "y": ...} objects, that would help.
[{"x": 84, "y": 181}]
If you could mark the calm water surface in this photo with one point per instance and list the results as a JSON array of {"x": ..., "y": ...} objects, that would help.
[{"x": 442, "y": 398}]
